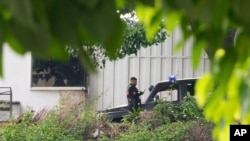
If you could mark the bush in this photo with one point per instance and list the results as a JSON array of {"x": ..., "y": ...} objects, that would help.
[
  {"x": 171, "y": 122},
  {"x": 170, "y": 132},
  {"x": 29, "y": 130},
  {"x": 200, "y": 131},
  {"x": 56, "y": 125},
  {"x": 186, "y": 110},
  {"x": 167, "y": 121}
]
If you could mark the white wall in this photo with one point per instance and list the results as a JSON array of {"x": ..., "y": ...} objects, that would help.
[
  {"x": 151, "y": 65},
  {"x": 17, "y": 74}
]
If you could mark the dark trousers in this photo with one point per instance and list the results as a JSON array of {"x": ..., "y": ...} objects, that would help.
[{"x": 133, "y": 103}]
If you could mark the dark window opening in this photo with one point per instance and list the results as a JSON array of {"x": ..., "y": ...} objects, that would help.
[{"x": 51, "y": 73}]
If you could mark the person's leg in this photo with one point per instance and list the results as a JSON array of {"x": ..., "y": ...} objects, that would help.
[
  {"x": 130, "y": 104},
  {"x": 136, "y": 104}
]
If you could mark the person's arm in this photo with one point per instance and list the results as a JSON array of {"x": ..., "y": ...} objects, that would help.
[
  {"x": 129, "y": 91},
  {"x": 141, "y": 92}
]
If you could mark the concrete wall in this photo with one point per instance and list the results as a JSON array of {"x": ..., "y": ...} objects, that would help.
[{"x": 17, "y": 75}]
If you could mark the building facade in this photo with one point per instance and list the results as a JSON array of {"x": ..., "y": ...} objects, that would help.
[
  {"x": 108, "y": 86},
  {"x": 151, "y": 65}
]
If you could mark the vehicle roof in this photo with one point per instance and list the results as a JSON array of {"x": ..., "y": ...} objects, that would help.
[{"x": 163, "y": 85}]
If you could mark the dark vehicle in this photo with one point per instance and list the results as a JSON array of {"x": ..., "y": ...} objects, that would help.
[{"x": 162, "y": 90}]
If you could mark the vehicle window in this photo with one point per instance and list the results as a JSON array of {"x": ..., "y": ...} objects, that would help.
[{"x": 168, "y": 95}]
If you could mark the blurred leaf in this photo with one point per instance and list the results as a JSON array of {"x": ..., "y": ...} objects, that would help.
[
  {"x": 215, "y": 104},
  {"x": 15, "y": 45},
  {"x": 85, "y": 59},
  {"x": 57, "y": 50},
  {"x": 172, "y": 20},
  {"x": 103, "y": 25},
  {"x": 1, "y": 45},
  {"x": 151, "y": 17},
  {"x": 114, "y": 42},
  {"x": 197, "y": 52},
  {"x": 21, "y": 11},
  {"x": 120, "y": 3},
  {"x": 240, "y": 11},
  {"x": 34, "y": 40},
  {"x": 203, "y": 87},
  {"x": 89, "y": 3},
  {"x": 179, "y": 45}
]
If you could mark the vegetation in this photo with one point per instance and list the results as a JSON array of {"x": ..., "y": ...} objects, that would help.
[
  {"x": 46, "y": 26},
  {"x": 83, "y": 123}
]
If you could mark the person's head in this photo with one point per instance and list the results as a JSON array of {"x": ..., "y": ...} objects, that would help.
[{"x": 133, "y": 80}]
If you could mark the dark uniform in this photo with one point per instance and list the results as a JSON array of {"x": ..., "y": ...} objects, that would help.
[{"x": 133, "y": 96}]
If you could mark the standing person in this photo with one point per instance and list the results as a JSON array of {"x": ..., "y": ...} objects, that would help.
[{"x": 133, "y": 94}]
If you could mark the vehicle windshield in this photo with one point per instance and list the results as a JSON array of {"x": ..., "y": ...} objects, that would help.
[{"x": 167, "y": 95}]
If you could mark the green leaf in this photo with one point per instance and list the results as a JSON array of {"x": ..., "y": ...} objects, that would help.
[
  {"x": 1, "y": 45},
  {"x": 85, "y": 59},
  {"x": 197, "y": 52},
  {"x": 14, "y": 44},
  {"x": 172, "y": 20},
  {"x": 244, "y": 89},
  {"x": 151, "y": 17},
  {"x": 180, "y": 44},
  {"x": 240, "y": 11},
  {"x": 103, "y": 26},
  {"x": 120, "y": 3},
  {"x": 22, "y": 11},
  {"x": 203, "y": 88},
  {"x": 89, "y": 3},
  {"x": 114, "y": 42},
  {"x": 57, "y": 50},
  {"x": 35, "y": 40}
]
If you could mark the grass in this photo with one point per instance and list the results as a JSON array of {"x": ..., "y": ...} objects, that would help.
[{"x": 82, "y": 123}]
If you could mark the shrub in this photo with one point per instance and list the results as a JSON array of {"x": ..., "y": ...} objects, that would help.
[
  {"x": 186, "y": 110},
  {"x": 132, "y": 116},
  {"x": 56, "y": 125},
  {"x": 170, "y": 132},
  {"x": 200, "y": 131},
  {"x": 50, "y": 129}
]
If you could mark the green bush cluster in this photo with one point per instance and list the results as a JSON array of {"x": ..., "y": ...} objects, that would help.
[
  {"x": 171, "y": 122},
  {"x": 50, "y": 129},
  {"x": 168, "y": 121},
  {"x": 57, "y": 125},
  {"x": 169, "y": 132},
  {"x": 186, "y": 110}
]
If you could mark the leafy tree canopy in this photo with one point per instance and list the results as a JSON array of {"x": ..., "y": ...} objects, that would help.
[{"x": 49, "y": 25}]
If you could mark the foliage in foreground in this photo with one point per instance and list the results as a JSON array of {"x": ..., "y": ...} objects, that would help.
[
  {"x": 28, "y": 130},
  {"x": 223, "y": 92},
  {"x": 53, "y": 125},
  {"x": 83, "y": 123},
  {"x": 169, "y": 121}
]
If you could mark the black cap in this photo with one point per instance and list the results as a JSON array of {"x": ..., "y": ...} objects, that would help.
[{"x": 133, "y": 78}]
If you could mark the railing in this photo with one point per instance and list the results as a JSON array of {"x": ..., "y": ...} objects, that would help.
[{"x": 6, "y": 99}]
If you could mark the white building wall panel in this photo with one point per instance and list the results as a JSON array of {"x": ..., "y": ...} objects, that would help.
[
  {"x": 151, "y": 65},
  {"x": 109, "y": 85},
  {"x": 166, "y": 68},
  {"x": 144, "y": 73},
  {"x": 155, "y": 70},
  {"x": 120, "y": 82},
  {"x": 187, "y": 72}
]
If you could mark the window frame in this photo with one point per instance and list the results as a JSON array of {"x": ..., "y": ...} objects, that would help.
[{"x": 56, "y": 88}]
